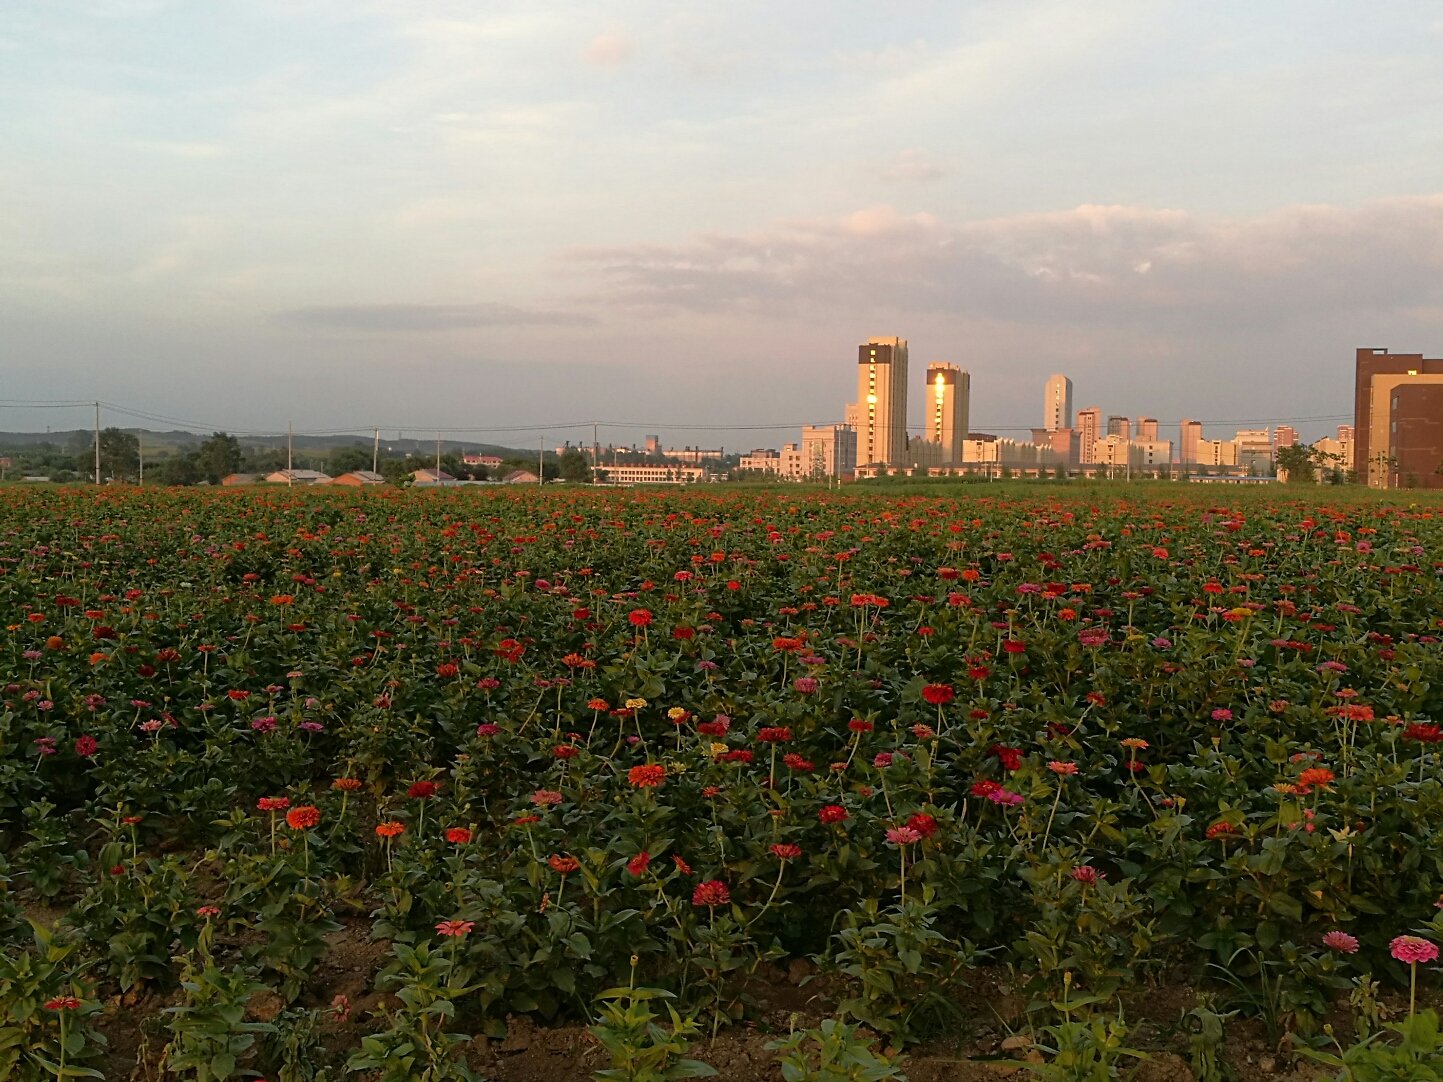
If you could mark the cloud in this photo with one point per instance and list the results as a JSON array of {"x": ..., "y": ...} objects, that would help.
[
  {"x": 1124, "y": 266},
  {"x": 401, "y": 318},
  {"x": 608, "y": 51},
  {"x": 913, "y": 165}
]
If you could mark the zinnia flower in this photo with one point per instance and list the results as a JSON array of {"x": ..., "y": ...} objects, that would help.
[
  {"x": 563, "y": 864},
  {"x": 711, "y": 893},
  {"x": 85, "y": 746},
  {"x": 923, "y": 824},
  {"x": 346, "y": 785},
  {"x": 639, "y": 863},
  {"x": 422, "y": 790},
  {"x": 304, "y": 817},
  {"x": 1062, "y": 769},
  {"x": 1341, "y": 942},
  {"x": 390, "y": 829},
  {"x": 1413, "y": 949},
  {"x": 1087, "y": 875},
  {"x": 273, "y": 803},
  {"x": 901, "y": 836},
  {"x": 545, "y": 797},
  {"x": 647, "y": 776},
  {"x": 833, "y": 813},
  {"x": 783, "y": 851},
  {"x": 455, "y": 927},
  {"x": 458, "y": 835},
  {"x": 938, "y": 694}
]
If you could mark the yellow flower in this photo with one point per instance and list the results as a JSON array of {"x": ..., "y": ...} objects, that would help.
[
  {"x": 718, "y": 749},
  {"x": 635, "y": 704},
  {"x": 676, "y": 713}
]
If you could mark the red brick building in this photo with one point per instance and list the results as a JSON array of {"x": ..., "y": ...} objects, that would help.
[{"x": 1398, "y": 419}]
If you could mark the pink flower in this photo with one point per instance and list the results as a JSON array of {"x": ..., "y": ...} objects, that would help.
[
  {"x": 1413, "y": 949},
  {"x": 900, "y": 836},
  {"x": 1341, "y": 942},
  {"x": 1087, "y": 875}
]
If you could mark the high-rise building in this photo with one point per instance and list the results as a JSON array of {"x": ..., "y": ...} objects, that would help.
[
  {"x": 1190, "y": 442},
  {"x": 1089, "y": 429},
  {"x": 1119, "y": 426},
  {"x": 1254, "y": 449},
  {"x": 880, "y": 412},
  {"x": 1345, "y": 433},
  {"x": 1284, "y": 436},
  {"x": 1147, "y": 428},
  {"x": 1398, "y": 419},
  {"x": 1057, "y": 403},
  {"x": 949, "y": 390}
]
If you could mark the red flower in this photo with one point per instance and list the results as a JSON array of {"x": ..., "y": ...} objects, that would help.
[
  {"x": 985, "y": 787},
  {"x": 923, "y": 824},
  {"x": 774, "y": 734},
  {"x": 565, "y": 751},
  {"x": 639, "y": 617},
  {"x": 62, "y": 1003},
  {"x": 639, "y": 863},
  {"x": 681, "y": 865},
  {"x": 273, "y": 803},
  {"x": 1014, "y": 646},
  {"x": 938, "y": 694},
  {"x": 711, "y": 893},
  {"x": 391, "y": 829},
  {"x": 648, "y": 776},
  {"x": 304, "y": 817},
  {"x": 833, "y": 813},
  {"x": 784, "y": 851},
  {"x": 1010, "y": 758},
  {"x": 85, "y": 746},
  {"x": 563, "y": 864},
  {"x": 422, "y": 790},
  {"x": 458, "y": 835},
  {"x": 455, "y": 927}
]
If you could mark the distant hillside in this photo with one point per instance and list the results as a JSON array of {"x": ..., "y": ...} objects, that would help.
[{"x": 157, "y": 441}]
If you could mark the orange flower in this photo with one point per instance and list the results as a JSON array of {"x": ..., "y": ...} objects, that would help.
[
  {"x": 563, "y": 864},
  {"x": 1065, "y": 769},
  {"x": 1320, "y": 776},
  {"x": 303, "y": 817},
  {"x": 390, "y": 829},
  {"x": 346, "y": 785},
  {"x": 649, "y": 776}
]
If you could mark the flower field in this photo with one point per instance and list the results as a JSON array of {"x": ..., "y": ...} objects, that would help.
[{"x": 311, "y": 785}]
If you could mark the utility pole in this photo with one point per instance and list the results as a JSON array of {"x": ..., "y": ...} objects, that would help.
[
  {"x": 140, "y": 454},
  {"x": 97, "y": 443},
  {"x": 376, "y": 452},
  {"x": 290, "y": 438},
  {"x": 438, "y": 458},
  {"x": 541, "y": 462},
  {"x": 595, "y": 452}
]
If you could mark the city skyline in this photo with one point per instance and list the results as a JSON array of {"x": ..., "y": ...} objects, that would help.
[{"x": 415, "y": 214}]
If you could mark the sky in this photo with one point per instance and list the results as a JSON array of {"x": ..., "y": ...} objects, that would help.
[{"x": 501, "y": 218}]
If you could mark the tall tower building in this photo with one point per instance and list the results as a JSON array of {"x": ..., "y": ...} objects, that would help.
[
  {"x": 1089, "y": 429},
  {"x": 1147, "y": 428},
  {"x": 1057, "y": 403},
  {"x": 881, "y": 408},
  {"x": 1284, "y": 436},
  {"x": 1398, "y": 419},
  {"x": 1119, "y": 426},
  {"x": 1190, "y": 442},
  {"x": 949, "y": 390}
]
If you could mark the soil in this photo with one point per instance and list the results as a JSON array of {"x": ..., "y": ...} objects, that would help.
[{"x": 987, "y": 1044}]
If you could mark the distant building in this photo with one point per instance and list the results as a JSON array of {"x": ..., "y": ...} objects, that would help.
[
  {"x": 1119, "y": 426},
  {"x": 1089, "y": 430},
  {"x": 829, "y": 451},
  {"x": 1147, "y": 428},
  {"x": 358, "y": 478},
  {"x": 1255, "y": 449},
  {"x": 489, "y": 461},
  {"x": 761, "y": 460},
  {"x": 520, "y": 477},
  {"x": 648, "y": 475},
  {"x": 232, "y": 479},
  {"x": 1398, "y": 419},
  {"x": 1057, "y": 403},
  {"x": 880, "y": 412},
  {"x": 1190, "y": 443},
  {"x": 431, "y": 478},
  {"x": 297, "y": 477},
  {"x": 949, "y": 390},
  {"x": 1284, "y": 436}
]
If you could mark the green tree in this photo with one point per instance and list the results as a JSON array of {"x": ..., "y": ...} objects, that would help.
[
  {"x": 218, "y": 455},
  {"x": 1300, "y": 461},
  {"x": 179, "y": 470},
  {"x": 574, "y": 467},
  {"x": 348, "y": 459},
  {"x": 119, "y": 454}
]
